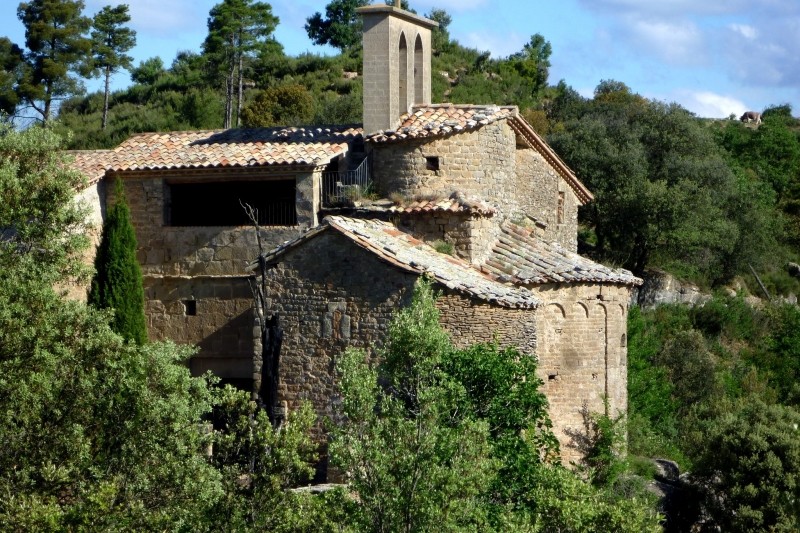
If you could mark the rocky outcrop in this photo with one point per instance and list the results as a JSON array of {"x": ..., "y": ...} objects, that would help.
[{"x": 662, "y": 288}]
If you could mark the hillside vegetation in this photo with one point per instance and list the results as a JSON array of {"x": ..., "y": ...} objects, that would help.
[{"x": 713, "y": 388}]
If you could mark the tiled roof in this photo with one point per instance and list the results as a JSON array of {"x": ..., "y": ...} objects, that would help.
[
  {"x": 240, "y": 148},
  {"x": 454, "y": 204},
  {"x": 518, "y": 257},
  {"x": 439, "y": 120},
  {"x": 412, "y": 255},
  {"x": 91, "y": 163},
  {"x": 442, "y": 119}
]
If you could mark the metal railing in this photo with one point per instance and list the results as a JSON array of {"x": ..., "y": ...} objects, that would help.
[{"x": 345, "y": 188}]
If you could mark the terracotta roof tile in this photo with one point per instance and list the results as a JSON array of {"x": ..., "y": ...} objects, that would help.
[
  {"x": 220, "y": 148},
  {"x": 410, "y": 254},
  {"x": 442, "y": 119},
  {"x": 519, "y": 258},
  {"x": 454, "y": 204}
]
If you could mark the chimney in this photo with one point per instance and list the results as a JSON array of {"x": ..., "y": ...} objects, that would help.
[{"x": 397, "y": 64}]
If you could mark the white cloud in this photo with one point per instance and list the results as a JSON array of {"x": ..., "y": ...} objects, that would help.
[
  {"x": 499, "y": 45},
  {"x": 679, "y": 44},
  {"x": 745, "y": 30},
  {"x": 711, "y": 105}
]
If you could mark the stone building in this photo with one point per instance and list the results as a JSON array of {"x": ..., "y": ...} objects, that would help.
[{"x": 477, "y": 180}]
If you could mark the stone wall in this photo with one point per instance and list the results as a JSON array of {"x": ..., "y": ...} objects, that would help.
[
  {"x": 470, "y": 235},
  {"x": 90, "y": 198},
  {"x": 330, "y": 295},
  {"x": 195, "y": 282},
  {"x": 582, "y": 354},
  {"x": 477, "y": 164},
  {"x": 551, "y": 200},
  {"x": 485, "y": 164},
  {"x": 469, "y": 321}
]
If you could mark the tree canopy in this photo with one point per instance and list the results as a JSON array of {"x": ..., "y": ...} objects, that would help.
[
  {"x": 340, "y": 27},
  {"x": 57, "y": 50},
  {"x": 111, "y": 41},
  {"x": 237, "y": 30}
]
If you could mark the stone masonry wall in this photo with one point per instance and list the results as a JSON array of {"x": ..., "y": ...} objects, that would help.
[
  {"x": 550, "y": 200},
  {"x": 469, "y": 321},
  {"x": 485, "y": 164},
  {"x": 90, "y": 197},
  {"x": 470, "y": 236},
  {"x": 203, "y": 265},
  {"x": 582, "y": 354},
  {"x": 478, "y": 164},
  {"x": 330, "y": 295}
]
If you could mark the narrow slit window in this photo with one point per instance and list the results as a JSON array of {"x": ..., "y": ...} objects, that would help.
[
  {"x": 190, "y": 307},
  {"x": 561, "y": 207}
]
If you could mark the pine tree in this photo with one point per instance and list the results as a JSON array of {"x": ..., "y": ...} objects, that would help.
[
  {"x": 55, "y": 36},
  {"x": 238, "y": 29},
  {"x": 110, "y": 42},
  {"x": 117, "y": 283}
]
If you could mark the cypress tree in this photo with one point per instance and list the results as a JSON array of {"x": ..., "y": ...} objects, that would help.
[{"x": 117, "y": 282}]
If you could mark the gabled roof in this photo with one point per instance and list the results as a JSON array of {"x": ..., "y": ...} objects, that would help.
[
  {"x": 412, "y": 255},
  {"x": 233, "y": 148},
  {"x": 439, "y": 120},
  {"x": 519, "y": 258}
]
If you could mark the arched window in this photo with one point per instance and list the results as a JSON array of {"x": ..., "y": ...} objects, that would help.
[
  {"x": 418, "y": 71},
  {"x": 403, "y": 77}
]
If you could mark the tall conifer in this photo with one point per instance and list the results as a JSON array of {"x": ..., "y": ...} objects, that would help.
[{"x": 117, "y": 282}]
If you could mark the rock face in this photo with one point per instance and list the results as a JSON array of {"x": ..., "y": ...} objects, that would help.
[{"x": 663, "y": 288}]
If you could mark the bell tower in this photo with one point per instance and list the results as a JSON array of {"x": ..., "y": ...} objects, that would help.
[{"x": 397, "y": 64}]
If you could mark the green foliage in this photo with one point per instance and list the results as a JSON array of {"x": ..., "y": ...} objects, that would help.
[
  {"x": 110, "y": 42},
  {"x": 729, "y": 372},
  {"x": 750, "y": 461},
  {"x": 566, "y": 503},
  {"x": 41, "y": 225},
  {"x": 57, "y": 48},
  {"x": 604, "y": 447},
  {"x": 11, "y": 61},
  {"x": 238, "y": 30},
  {"x": 95, "y": 433},
  {"x": 665, "y": 193},
  {"x": 341, "y": 26},
  {"x": 415, "y": 462},
  {"x": 148, "y": 71},
  {"x": 438, "y": 438},
  {"x": 117, "y": 283},
  {"x": 284, "y": 105},
  {"x": 260, "y": 463}
]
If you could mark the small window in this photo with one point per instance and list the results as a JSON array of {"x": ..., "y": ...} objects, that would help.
[
  {"x": 623, "y": 341},
  {"x": 190, "y": 307},
  {"x": 432, "y": 162},
  {"x": 561, "y": 207}
]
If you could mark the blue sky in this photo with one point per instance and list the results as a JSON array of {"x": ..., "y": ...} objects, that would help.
[{"x": 714, "y": 57}]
